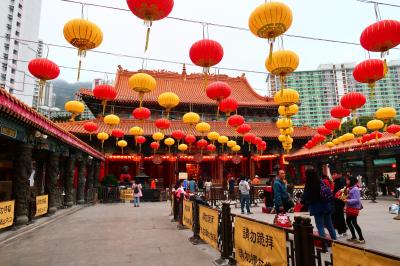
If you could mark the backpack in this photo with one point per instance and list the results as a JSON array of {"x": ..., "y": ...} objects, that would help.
[
  {"x": 326, "y": 193},
  {"x": 136, "y": 189}
]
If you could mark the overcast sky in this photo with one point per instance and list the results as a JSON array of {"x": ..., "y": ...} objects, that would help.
[{"x": 125, "y": 34}]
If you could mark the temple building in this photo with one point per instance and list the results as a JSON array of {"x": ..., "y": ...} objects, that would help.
[{"x": 165, "y": 164}]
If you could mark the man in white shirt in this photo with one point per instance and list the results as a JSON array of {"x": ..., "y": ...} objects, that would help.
[{"x": 244, "y": 189}]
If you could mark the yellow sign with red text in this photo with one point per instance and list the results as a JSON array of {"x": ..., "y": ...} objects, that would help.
[
  {"x": 6, "y": 213},
  {"x": 187, "y": 213},
  {"x": 42, "y": 205},
  {"x": 209, "y": 225},
  {"x": 347, "y": 256},
  {"x": 259, "y": 244}
]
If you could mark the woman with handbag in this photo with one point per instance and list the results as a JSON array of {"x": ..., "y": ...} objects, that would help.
[{"x": 353, "y": 207}]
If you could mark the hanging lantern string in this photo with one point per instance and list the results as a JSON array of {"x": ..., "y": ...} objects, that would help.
[{"x": 377, "y": 11}]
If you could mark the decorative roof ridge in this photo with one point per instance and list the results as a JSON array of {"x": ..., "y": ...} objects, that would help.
[
  {"x": 10, "y": 102},
  {"x": 245, "y": 81}
]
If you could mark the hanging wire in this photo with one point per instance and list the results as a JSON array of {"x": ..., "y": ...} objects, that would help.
[
  {"x": 204, "y": 25},
  {"x": 377, "y": 12}
]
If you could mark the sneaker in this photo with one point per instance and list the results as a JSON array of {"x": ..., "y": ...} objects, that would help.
[
  {"x": 343, "y": 235},
  {"x": 352, "y": 240},
  {"x": 360, "y": 241},
  {"x": 249, "y": 213},
  {"x": 242, "y": 212}
]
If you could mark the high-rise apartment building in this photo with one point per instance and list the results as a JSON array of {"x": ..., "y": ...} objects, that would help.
[
  {"x": 322, "y": 89},
  {"x": 19, "y": 20}
]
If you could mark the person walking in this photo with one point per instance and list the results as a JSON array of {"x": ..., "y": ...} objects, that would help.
[
  {"x": 207, "y": 188},
  {"x": 244, "y": 189},
  {"x": 137, "y": 193},
  {"x": 231, "y": 188},
  {"x": 192, "y": 185},
  {"x": 319, "y": 199},
  {"x": 353, "y": 207},
  {"x": 281, "y": 196},
  {"x": 339, "y": 184}
]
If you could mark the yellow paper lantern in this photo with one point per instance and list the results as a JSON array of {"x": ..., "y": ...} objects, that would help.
[
  {"x": 282, "y": 63},
  {"x": 75, "y": 108},
  {"x": 136, "y": 131},
  {"x": 288, "y": 111},
  {"x": 102, "y": 136},
  {"x": 223, "y": 140},
  {"x": 122, "y": 144},
  {"x": 231, "y": 143},
  {"x": 359, "y": 130},
  {"x": 168, "y": 100},
  {"x": 142, "y": 83},
  {"x": 385, "y": 114},
  {"x": 203, "y": 127},
  {"x": 336, "y": 141},
  {"x": 182, "y": 147},
  {"x": 330, "y": 145},
  {"x": 84, "y": 35},
  {"x": 270, "y": 20},
  {"x": 111, "y": 120},
  {"x": 348, "y": 136},
  {"x": 288, "y": 140},
  {"x": 286, "y": 97},
  {"x": 158, "y": 136},
  {"x": 375, "y": 125},
  {"x": 284, "y": 123},
  {"x": 398, "y": 134},
  {"x": 191, "y": 118},
  {"x": 288, "y": 131},
  {"x": 169, "y": 142},
  {"x": 342, "y": 139},
  {"x": 235, "y": 148},
  {"x": 213, "y": 136},
  {"x": 282, "y": 137}
]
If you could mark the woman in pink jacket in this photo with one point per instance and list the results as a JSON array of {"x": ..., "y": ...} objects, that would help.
[{"x": 137, "y": 193}]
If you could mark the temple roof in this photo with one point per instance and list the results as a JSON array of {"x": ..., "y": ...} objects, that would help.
[
  {"x": 261, "y": 129},
  {"x": 189, "y": 88},
  {"x": 387, "y": 141},
  {"x": 24, "y": 114}
]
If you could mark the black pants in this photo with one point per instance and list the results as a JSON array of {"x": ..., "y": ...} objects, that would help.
[
  {"x": 352, "y": 224},
  {"x": 338, "y": 217}
]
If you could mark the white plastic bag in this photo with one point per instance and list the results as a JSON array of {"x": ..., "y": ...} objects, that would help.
[{"x": 394, "y": 209}]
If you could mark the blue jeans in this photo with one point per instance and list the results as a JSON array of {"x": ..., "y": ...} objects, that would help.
[
  {"x": 245, "y": 200},
  {"x": 322, "y": 221},
  {"x": 136, "y": 201}
]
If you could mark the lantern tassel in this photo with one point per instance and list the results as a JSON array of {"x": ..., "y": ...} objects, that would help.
[
  {"x": 79, "y": 69},
  {"x": 354, "y": 117},
  {"x": 372, "y": 90},
  {"x": 90, "y": 137},
  {"x": 141, "y": 95},
  {"x": 147, "y": 39},
  {"x": 122, "y": 149},
  {"x": 271, "y": 50},
  {"x": 104, "y": 103},
  {"x": 42, "y": 83}
]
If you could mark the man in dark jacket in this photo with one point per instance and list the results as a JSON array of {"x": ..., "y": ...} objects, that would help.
[
  {"x": 281, "y": 196},
  {"x": 338, "y": 213}
]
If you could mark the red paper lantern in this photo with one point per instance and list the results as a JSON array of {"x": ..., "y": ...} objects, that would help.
[
  {"x": 353, "y": 100},
  {"x": 228, "y": 106},
  {"x": 211, "y": 147},
  {"x": 366, "y": 138},
  {"x": 332, "y": 124},
  {"x": 43, "y": 69},
  {"x": 162, "y": 123},
  {"x": 257, "y": 140},
  {"x": 117, "y": 133},
  {"x": 155, "y": 146},
  {"x": 381, "y": 36},
  {"x": 376, "y": 135},
  {"x": 262, "y": 146},
  {"x": 218, "y": 91},
  {"x": 90, "y": 127},
  {"x": 206, "y": 53},
  {"x": 178, "y": 135},
  {"x": 190, "y": 139},
  {"x": 370, "y": 71},
  {"x": 104, "y": 93},
  {"x": 393, "y": 129},
  {"x": 318, "y": 138},
  {"x": 141, "y": 113},
  {"x": 324, "y": 131},
  {"x": 140, "y": 139},
  {"x": 249, "y": 137},
  {"x": 149, "y": 11},
  {"x": 202, "y": 143},
  {"x": 339, "y": 112},
  {"x": 243, "y": 129},
  {"x": 235, "y": 121}
]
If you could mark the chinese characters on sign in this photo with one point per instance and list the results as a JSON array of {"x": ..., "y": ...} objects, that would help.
[
  {"x": 6, "y": 213},
  {"x": 259, "y": 244},
  {"x": 346, "y": 256},
  {"x": 209, "y": 226},
  {"x": 187, "y": 214},
  {"x": 42, "y": 205},
  {"x": 126, "y": 195}
]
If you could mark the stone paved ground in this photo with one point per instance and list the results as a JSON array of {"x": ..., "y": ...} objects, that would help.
[
  {"x": 111, "y": 234},
  {"x": 380, "y": 230}
]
